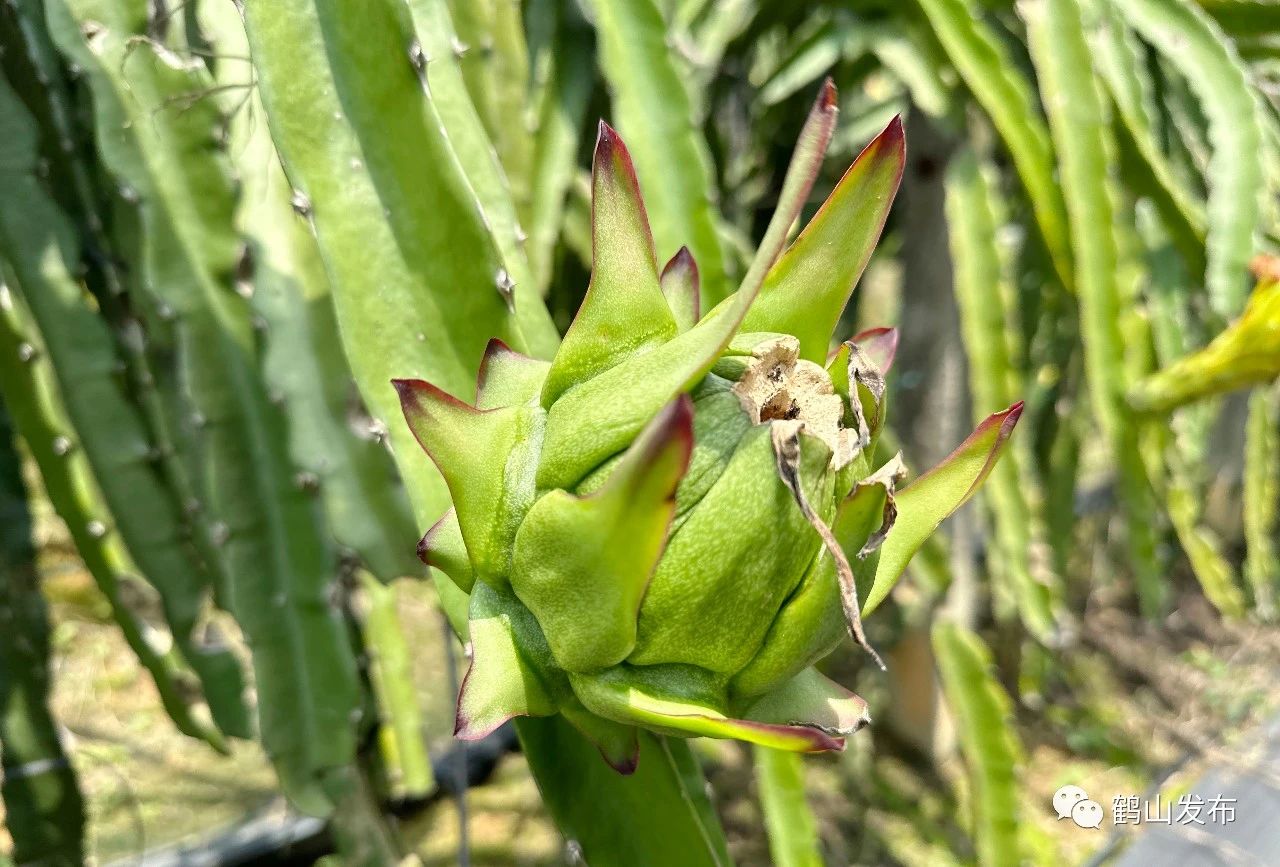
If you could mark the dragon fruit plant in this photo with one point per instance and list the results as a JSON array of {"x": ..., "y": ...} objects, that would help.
[{"x": 670, "y": 522}]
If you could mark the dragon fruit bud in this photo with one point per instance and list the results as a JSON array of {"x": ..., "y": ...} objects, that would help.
[{"x": 671, "y": 521}]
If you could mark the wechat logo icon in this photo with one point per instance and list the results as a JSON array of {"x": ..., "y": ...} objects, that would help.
[{"x": 1072, "y": 802}]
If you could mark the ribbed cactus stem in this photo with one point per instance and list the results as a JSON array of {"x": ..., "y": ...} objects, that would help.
[
  {"x": 84, "y": 357},
  {"x": 282, "y": 567},
  {"x": 30, "y": 386},
  {"x": 44, "y": 807},
  {"x": 131, "y": 339}
]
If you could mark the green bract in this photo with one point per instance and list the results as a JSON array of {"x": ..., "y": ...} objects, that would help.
[{"x": 665, "y": 526}]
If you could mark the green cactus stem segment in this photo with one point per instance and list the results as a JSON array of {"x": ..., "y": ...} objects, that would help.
[{"x": 1246, "y": 353}]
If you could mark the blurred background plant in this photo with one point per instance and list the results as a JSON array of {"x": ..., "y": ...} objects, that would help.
[{"x": 193, "y": 193}]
